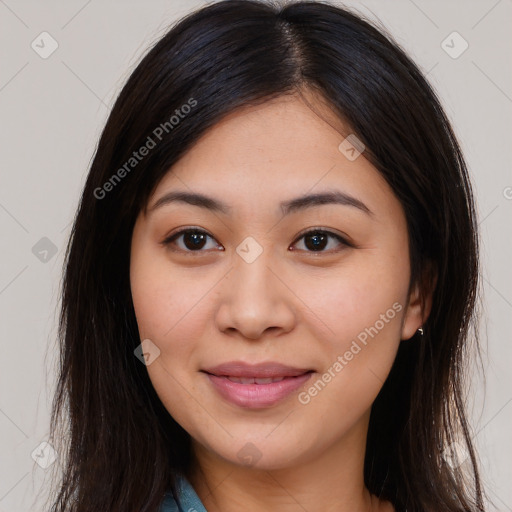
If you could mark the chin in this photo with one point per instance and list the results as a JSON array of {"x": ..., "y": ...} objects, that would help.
[{"x": 262, "y": 454}]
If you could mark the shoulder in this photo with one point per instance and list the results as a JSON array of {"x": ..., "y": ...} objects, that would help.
[{"x": 187, "y": 497}]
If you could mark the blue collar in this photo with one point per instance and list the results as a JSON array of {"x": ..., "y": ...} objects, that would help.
[{"x": 188, "y": 499}]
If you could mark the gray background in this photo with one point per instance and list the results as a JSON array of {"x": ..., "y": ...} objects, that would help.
[{"x": 52, "y": 111}]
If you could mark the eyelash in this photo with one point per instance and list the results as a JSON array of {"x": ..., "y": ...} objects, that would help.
[{"x": 171, "y": 238}]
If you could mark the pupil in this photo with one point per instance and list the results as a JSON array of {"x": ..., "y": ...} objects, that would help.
[
  {"x": 196, "y": 240},
  {"x": 318, "y": 241}
]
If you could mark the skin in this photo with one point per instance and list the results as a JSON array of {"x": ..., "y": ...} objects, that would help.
[{"x": 292, "y": 305}]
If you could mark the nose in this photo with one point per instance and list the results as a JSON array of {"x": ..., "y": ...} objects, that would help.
[{"x": 255, "y": 299}]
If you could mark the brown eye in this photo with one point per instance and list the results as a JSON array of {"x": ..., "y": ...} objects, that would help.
[
  {"x": 192, "y": 240},
  {"x": 316, "y": 240}
]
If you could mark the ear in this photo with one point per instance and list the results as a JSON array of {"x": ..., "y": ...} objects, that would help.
[{"x": 420, "y": 302}]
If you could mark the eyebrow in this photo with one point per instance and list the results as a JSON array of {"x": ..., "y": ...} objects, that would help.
[{"x": 287, "y": 207}]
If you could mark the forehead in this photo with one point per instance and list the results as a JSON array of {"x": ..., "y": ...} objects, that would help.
[
  {"x": 283, "y": 131},
  {"x": 283, "y": 148}
]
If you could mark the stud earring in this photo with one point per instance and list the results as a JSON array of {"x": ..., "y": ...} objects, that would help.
[{"x": 420, "y": 330}]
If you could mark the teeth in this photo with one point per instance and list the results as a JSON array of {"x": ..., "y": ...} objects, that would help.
[
  {"x": 263, "y": 381},
  {"x": 252, "y": 380}
]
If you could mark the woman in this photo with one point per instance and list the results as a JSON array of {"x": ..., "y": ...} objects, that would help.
[{"x": 271, "y": 279}]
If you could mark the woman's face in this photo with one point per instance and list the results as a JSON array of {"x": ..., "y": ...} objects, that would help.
[{"x": 321, "y": 314}]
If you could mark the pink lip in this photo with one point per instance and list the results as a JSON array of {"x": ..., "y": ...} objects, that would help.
[
  {"x": 254, "y": 395},
  {"x": 259, "y": 370}
]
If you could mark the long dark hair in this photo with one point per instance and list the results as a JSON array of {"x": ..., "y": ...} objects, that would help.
[{"x": 121, "y": 450}]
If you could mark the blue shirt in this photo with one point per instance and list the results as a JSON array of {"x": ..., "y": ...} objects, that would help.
[{"x": 188, "y": 498}]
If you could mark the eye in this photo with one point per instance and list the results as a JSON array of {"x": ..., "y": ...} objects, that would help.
[
  {"x": 193, "y": 240},
  {"x": 316, "y": 240}
]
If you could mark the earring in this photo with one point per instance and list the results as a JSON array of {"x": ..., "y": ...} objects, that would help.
[{"x": 420, "y": 330}]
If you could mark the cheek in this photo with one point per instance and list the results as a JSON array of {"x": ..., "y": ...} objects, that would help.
[
  {"x": 163, "y": 299},
  {"x": 171, "y": 307},
  {"x": 354, "y": 298},
  {"x": 171, "y": 320},
  {"x": 168, "y": 317},
  {"x": 359, "y": 309}
]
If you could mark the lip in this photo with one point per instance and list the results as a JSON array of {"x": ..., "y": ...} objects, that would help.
[
  {"x": 279, "y": 382},
  {"x": 260, "y": 370}
]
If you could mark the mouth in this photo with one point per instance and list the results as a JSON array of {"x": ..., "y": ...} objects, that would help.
[
  {"x": 256, "y": 386},
  {"x": 269, "y": 370},
  {"x": 254, "y": 380}
]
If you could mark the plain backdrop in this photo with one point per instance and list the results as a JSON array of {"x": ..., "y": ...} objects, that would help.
[{"x": 53, "y": 109}]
